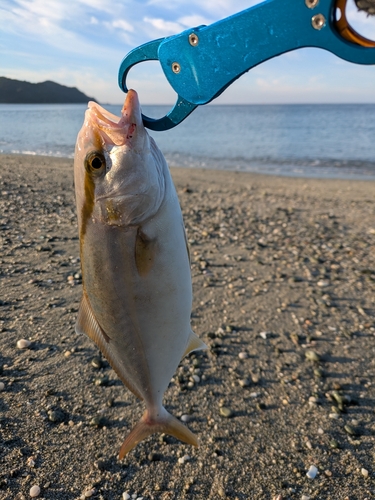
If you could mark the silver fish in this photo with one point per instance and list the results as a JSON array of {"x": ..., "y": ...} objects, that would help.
[{"x": 137, "y": 292}]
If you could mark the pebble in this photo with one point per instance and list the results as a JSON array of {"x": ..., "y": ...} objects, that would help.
[
  {"x": 2, "y": 386},
  {"x": 226, "y": 412},
  {"x": 34, "y": 491},
  {"x": 334, "y": 415},
  {"x": 183, "y": 459},
  {"x": 185, "y": 418},
  {"x": 243, "y": 355},
  {"x": 323, "y": 283},
  {"x": 23, "y": 344},
  {"x": 338, "y": 398},
  {"x": 312, "y": 355},
  {"x": 96, "y": 362},
  {"x": 56, "y": 416},
  {"x": 244, "y": 382},
  {"x": 305, "y": 497},
  {"x": 318, "y": 373},
  {"x": 263, "y": 335},
  {"x": 97, "y": 421},
  {"x": 126, "y": 496},
  {"x": 102, "y": 381},
  {"x": 364, "y": 473},
  {"x": 89, "y": 493},
  {"x": 350, "y": 430},
  {"x": 312, "y": 472}
]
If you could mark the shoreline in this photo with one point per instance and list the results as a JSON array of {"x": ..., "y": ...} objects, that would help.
[
  {"x": 283, "y": 273},
  {"x": 339, "y": 176}
]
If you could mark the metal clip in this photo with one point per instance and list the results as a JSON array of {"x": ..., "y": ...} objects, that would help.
[{"x": 200, "y": 63}]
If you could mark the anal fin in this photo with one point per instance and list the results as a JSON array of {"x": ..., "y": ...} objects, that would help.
[
  {"x": 194, "y": 344},
  {"x": 87, "y": 323}
]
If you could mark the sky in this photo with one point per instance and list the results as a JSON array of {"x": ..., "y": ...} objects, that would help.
[{"x": 81, "y": 43}]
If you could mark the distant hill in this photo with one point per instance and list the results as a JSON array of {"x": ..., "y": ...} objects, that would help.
[{"x": 18, "y": 92}]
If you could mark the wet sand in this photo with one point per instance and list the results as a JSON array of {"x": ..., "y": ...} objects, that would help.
[{"x": 284, "y": 280}]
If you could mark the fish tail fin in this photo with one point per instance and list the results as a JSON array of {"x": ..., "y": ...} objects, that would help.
[{"x": 165, "y": 423}]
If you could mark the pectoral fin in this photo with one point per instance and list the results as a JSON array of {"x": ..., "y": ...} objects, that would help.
[
  {"x": 194, "y": 344},
  {"x": 145, "y": 250}
]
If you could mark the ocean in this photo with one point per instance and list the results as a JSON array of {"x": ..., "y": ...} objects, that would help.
[{"x": 312, "y": 140}]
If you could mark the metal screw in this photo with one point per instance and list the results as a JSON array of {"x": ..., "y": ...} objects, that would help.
[
  {"x": 176, "y": 68},
  {"x": 311, "y": 3},
  {"x": 318, "y": 22},
  {"x": 193, "y": 39}
]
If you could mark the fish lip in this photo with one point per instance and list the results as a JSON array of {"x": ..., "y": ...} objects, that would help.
[
  {"x": 115, "y": 130},
  {"x": 108, "y": 126},
  {"x": 97, "y": 115},
  {"x": 112, "y": 118}
]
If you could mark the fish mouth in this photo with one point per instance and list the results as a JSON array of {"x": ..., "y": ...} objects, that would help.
[{"x": 115, "y": 130}]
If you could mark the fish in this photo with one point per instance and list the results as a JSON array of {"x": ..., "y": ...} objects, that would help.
[{"x": 135, "y": 262}]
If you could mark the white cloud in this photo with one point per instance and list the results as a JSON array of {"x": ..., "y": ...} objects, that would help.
[
  {"x": 194, "y": 20},
  {"x": 165, "y": 27},
  {"x": 123, "y": 25},
  {"x": 47, "y": 9},
  {"x": 110, "y": 7}
]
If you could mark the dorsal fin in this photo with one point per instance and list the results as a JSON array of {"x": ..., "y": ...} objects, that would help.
[{"x": 194, "y": 344}]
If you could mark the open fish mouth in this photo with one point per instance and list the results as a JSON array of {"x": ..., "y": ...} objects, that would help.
[{"x": 114, "y": 130}]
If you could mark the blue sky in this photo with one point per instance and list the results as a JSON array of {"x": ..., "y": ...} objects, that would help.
[{"x": 82, "y": 43}]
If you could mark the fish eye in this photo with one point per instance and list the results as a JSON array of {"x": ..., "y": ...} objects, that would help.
[{"x": 95, "y": 162}]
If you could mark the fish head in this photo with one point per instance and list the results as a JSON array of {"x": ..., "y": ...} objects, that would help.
[{"x": 118, "y": 169}]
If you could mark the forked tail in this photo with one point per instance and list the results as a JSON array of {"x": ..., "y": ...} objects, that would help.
[{"x": 164, "y": 422}]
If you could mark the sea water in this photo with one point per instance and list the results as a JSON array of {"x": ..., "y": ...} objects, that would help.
[{"x": 314, "y": 140}]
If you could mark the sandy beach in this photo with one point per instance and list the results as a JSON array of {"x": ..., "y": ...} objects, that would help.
[{"x": 284, "y": 295}]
